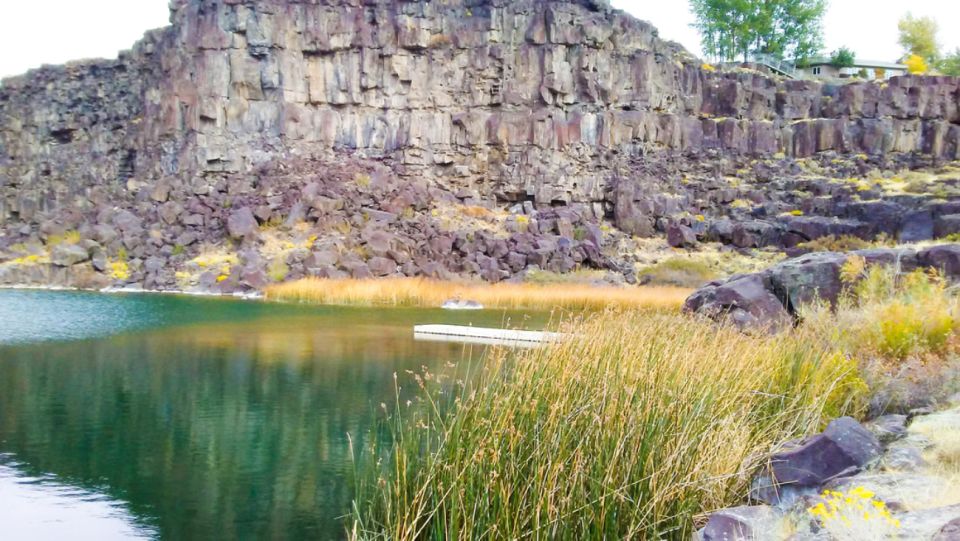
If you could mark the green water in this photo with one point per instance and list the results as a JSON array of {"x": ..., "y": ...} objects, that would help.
[{"x": 189, "y": 418}]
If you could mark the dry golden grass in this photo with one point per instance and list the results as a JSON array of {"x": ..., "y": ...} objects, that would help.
[{"x": 431, "y": 293}]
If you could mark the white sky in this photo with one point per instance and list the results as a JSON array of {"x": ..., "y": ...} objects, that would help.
[{"x": 35, "y": 32}]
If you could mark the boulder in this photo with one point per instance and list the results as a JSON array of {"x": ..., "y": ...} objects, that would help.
[
  {"x": 745, "y": 523},
  {"x": 917, "y": 226},
  {"x": 947, "y": 224},
  {"x": 949, "y": 531},
  {"x": 843, "y": 448},
  {"x": 382, "y": 266},
  {"x": 681, "y": 236},
  {"x": 745, "y": 299},
  {"x": 945, "y": 258},
  {"x": 888, "y": 428},
  {"x": 66, "y": 255},
  {"x": 807, "y": 278},
  {"x": 242, "y": 223}
]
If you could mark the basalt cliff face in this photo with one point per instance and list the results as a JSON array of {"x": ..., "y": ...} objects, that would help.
[{"x": 433, "y": 138}]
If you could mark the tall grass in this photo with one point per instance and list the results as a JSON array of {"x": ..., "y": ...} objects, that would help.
[
  {"x": 431, "y": 293},
  {"x": 629, "y": 429}
]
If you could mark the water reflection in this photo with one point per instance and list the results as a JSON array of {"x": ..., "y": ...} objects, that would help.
[{"x": 233, "y": 428}]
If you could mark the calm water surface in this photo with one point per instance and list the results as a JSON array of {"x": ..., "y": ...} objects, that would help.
[{"x": 154, "y": 416}]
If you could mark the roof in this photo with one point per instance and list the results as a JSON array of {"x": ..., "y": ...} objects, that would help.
[{"x": 858, "y": 63}]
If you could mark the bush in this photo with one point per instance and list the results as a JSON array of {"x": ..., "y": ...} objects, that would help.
[
  {"x": 627, "y": 430},
  {"x": 678, "y": 271},
  {"x": 833, "y": 243},
  {"x": 916, "y": 65},
  {"x": 889, "y": 316},
  {"x": 278, "y": 269}
]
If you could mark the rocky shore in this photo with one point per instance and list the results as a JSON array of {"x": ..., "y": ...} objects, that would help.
[{"x": 892, "y": 478}]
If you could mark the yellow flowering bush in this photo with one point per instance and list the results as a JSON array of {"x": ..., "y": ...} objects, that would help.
[
  {"x": 119, "y": 270},
  {"x": 916, "y": 64},
  {"x": 855, "y": 515}
]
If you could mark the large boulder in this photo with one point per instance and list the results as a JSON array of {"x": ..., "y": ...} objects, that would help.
[
  {"x": 804, "y": 279},
  {"x": 745, "y": 299},
  {"x": 241, "y": 223},
  {"x": 843, "y": 448},
  {"x": 681, "y": 236},
  {"x": 945, "y": 258},
  {"x": 66, "y": 255}
]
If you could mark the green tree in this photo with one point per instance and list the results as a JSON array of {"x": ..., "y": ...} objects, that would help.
[
  {"x": 918, "y": 35},
  {"x": 950, "y": 64},
  {"x": 737, "y": 28},
  {"x": 842, "y": 58}
]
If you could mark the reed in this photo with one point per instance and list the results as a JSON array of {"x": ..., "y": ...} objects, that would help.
[
  {"x": 432, "y": 293},
  {"x": 631, "y": 429}
]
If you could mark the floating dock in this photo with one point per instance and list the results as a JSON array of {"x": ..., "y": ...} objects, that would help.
[{"x": 481, "y": 335}]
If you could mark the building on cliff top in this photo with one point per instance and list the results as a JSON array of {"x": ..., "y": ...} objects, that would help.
[{"x": 823, "y": 68}]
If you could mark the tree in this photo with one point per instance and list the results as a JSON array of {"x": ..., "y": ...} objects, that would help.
[
  {"x": 842, "y": 58},
  {"x": 737, "y": 28},
  {"x": 918, "y": 36},
  {"x": 950, "y": 64}
]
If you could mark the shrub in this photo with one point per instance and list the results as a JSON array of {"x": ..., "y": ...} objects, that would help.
[
  {"x": 278, "y": 269},
  {"x": 119, "y": 269},
  {"x": 69, "y": 237},
  {"x": 888, "y": 315},
  {"x": 855, "y": 515},
  {"x": 363, "y": 180},
  {"x": 678, "y": 271},
  {"x": 833, "y": 243},
  {"x": 916, "y": 64},
  {"x": 475, "y": 211},
  {"x": 626, "y": 430}
]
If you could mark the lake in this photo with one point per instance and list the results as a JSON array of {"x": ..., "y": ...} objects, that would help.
[{"x": 141, "y": 416}]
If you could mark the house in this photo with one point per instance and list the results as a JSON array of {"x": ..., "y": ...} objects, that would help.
[{"x": 823, "y": 68}]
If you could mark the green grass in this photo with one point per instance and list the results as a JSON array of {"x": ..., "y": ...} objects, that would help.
[
  {"x": 630, "y": 429},
  {"x": 679, "y": 271}
]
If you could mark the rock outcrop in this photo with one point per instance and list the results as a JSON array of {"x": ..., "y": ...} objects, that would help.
[
  {"x": 771, "y": 298},
  {"x": 276, "y": 108}
]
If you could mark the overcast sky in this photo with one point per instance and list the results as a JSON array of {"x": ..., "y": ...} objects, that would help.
[{"x": 35, "y": 32}]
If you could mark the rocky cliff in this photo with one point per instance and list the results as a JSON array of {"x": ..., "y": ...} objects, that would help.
[{"x": 346, "y": 121}]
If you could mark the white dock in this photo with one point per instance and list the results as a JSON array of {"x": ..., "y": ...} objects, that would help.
[{"x": 481, "y": 335}]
